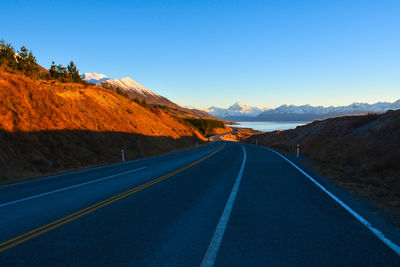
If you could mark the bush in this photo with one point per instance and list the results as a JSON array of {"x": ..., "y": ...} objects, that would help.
[
  {"x": 65, "y": 74},
  {"x": 205, "y": 126}
]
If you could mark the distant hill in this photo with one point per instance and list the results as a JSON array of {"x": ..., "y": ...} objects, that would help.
[{"x": 135, "y": 90}]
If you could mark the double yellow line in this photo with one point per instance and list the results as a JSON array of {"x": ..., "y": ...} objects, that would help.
[{"x": 57, "y": 223}]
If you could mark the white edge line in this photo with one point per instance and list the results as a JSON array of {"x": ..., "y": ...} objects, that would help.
[
  {"x": 212, "y": 251},
  {"x": 98, "y": 167},
  {"x": 64, "y": 174},
  {"x": 69, "y": 187},
  {"x": 367, "y": 224}
]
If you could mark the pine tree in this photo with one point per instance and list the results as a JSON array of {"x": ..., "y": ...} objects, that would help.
[
  {"x": 7, "y": 54},
  {"x": 23, "y": 61},
  {"x": 53, "y": 70},
  {"x": 74, "y": 72},
  {"x": 58, "y": 71}
]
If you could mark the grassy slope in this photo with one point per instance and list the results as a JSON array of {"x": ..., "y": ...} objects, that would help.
[
  {"x": 47, "y": 127},
  {"x": 362, "y": 153}
]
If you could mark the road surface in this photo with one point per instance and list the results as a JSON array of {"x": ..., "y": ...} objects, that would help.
[{"x": 226, "y": 204}]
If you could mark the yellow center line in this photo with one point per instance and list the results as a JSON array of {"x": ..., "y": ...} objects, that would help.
[{"x": 57, "y": 223}]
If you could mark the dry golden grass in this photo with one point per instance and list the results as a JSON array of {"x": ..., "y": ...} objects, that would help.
[
  {"x": 28, "y": 105},
  {"x": 47, "y": 126},
  {"x": 221, "y": 130},
  {"x": 234, "y": 134}
]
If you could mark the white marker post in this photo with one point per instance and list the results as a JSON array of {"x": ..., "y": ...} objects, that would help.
[
  {"x": 298, "y": 150},
  {"x": 197, "y": 144},
  {"x": 123, "y": 155}
]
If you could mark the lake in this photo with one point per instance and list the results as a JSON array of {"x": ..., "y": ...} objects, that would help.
[{"x": 268, "y": 126}]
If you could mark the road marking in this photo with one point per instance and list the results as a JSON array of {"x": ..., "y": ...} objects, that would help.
[
  {"x": 66, "y": 174},
  {"x": 212, "y": 251},
  {"x": 97, "y": 168},
  {"x": 55, "y": 224},
  {"x": 69, "y": 187},
  {"x": 367, "y": 224}
]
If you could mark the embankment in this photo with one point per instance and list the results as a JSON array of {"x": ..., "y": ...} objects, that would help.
[{"x": 361, "y": 153}]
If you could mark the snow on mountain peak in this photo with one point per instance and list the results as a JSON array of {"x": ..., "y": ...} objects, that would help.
[
  {"x": 93, "y": 77},
  {"x": 237, "y": 109},
  {"x": 128, "y": 79},
  {"x": 241, "y": 110},
  {"x": 129, "y": 85},
  {"x": 97, "y": 76}
]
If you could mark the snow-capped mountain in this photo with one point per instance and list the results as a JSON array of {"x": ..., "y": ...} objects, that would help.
[
  {"x": 238, "y": 111},
  {"x": 127, "y": 85},
  {"x": 134, "y": 90},
  {"x": 355, "y": 108},
  {"x": 93, "y": 77}
]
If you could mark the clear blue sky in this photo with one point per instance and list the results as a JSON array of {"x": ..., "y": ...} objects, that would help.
[{"x": 204, "y": 53}]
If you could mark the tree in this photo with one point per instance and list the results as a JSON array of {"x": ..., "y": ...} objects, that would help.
[
  {"x": 74, "y": 72},
  {"x": 23, "y": 53},
  {"x": 53, "y": 70},
  {"x": 22, "y": 59},
  {"x": 7, "y": 55},
  {"x": 69, "y": 73},
  {"x": 58, "y": 71},
  {"x": 26, "y": 62}
]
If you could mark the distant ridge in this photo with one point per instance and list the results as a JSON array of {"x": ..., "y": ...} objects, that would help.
[{"x": 135, "y": 90}]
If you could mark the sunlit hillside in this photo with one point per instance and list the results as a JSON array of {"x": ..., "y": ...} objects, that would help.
[
  {"x": 48, "y": 126},
  {"x": 28, "y": 105}
]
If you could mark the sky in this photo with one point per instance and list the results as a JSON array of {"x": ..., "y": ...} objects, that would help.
[{"x": 214, "y": 53}]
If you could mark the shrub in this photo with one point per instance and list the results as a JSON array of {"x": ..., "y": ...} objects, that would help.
[{"x": 205, "y": 126}]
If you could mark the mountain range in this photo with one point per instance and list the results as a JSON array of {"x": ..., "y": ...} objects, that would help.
[
  {"x": 236, "y": 110},
  {"x": 241, "y": 112}
]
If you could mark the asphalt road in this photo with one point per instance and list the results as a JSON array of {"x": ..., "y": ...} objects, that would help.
[{"x": 225, "y": 204}]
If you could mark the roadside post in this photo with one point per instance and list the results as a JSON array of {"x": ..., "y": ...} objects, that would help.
[
  {"x": 123, "y": 155},
  {"x": 298, "y": 150},
  {"x": 197, "y": 144}
]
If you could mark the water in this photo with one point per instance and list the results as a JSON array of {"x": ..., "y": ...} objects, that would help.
[{"x": 268, "y": 126}]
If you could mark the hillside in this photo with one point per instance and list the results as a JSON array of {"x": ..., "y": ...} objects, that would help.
[
  {"x": 361, "y": 153},
  {"x": 48, "y": 126}
]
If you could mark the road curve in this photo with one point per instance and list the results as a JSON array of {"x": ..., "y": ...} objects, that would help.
[{"x": 226, "y": 204}]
